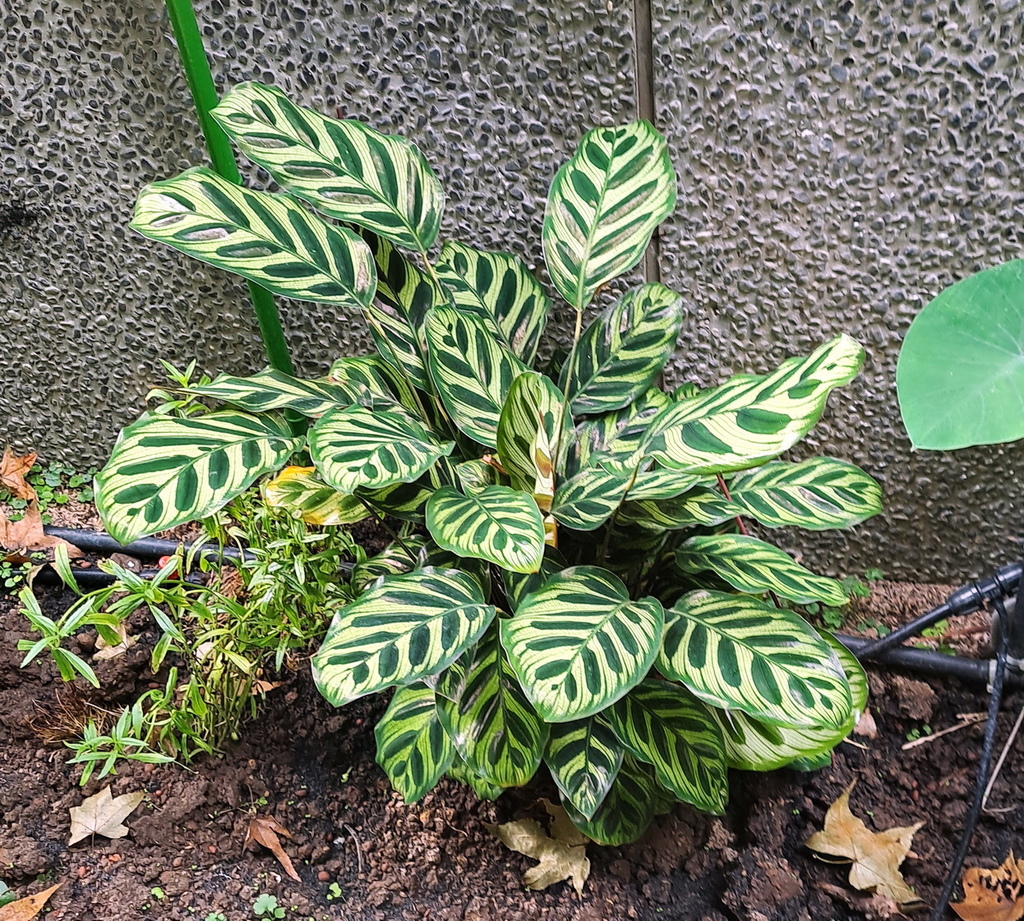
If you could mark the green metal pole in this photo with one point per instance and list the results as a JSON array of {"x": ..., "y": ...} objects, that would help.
[{"x": 204, "y": 94}]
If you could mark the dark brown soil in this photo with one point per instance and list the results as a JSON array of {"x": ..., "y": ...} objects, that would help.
[{"x": 313, "y": 769}]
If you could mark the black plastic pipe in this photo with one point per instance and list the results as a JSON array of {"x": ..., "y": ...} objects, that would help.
[{"x": 147, "y": 547}]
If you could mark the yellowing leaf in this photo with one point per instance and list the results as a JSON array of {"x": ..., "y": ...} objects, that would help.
[
  {"x": 876, "y": 856},
  {"x": 993, "y": 895},
  {"x": 102, "y": 814},
  {"x": 561, "y": 857},
  {"x": 26, "y": 909}
]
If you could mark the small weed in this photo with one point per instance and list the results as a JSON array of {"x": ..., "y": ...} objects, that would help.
[
  {"x": 158, "y": 893},
  {"x": 6, "y": 894},
  {"x": 215, "y": 916},
  {"x": 266, "y": 906},
  {"x": 333, "y": 892},
  {"x": 55, "y": 484},
  {"x": 873, "y": 574},
  {"x": 918, "y": 733}
]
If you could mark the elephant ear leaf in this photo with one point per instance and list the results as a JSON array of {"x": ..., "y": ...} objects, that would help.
[{"x": 603, "y": 207}]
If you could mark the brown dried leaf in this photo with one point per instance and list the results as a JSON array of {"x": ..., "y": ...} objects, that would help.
[
  {"x": 264, "y": 829},
  {"x": 27, "y": 908},
  {"x": 13, "y": 471},
  {"x": 557, "y": 859},
  {"x": 993, "y": 895},
  {"x": 876, "y": 856},
  {"x": 103, "y": 814},
  {"x": 866, "y": 725},
  {"x": 21, "y": 538}
]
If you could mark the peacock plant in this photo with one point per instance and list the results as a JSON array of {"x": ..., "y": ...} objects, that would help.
[{"x": 572, "y": 583}]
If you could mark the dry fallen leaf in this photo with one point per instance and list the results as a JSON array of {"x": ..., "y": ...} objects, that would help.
[
  {"x": 993, "y": 895},
  {"x": 105, "y": 650},
  {"x": 102, "y": 814},
  {"x": 264, "y": 829},
  {"x": 563, "y": 856},
  {"x": 876, "y": 856},
  {"x": 20, "y": 538},
  {"x": 27, "y": 908},
  {"x": 866, "y": 725},
  {"x": 13, "y": 471}
]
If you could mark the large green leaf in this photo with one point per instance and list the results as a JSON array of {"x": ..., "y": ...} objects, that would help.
[
  {"x": 584, "y": 757},
  {"x": 396, "y": 558},
  {"x": 406, "y": 628},
  {"x": 633, "y": 800},
  {"x": 579, "y": 643},
  {"x": 407, "y": 501},
  {"x": 165, "y": 471},
  {"x": 471, "y": 369},
  {"x": 960, "y": 374},
  {"x": 659, "y": 483},
  {"x": 272, "y": 389},
  {"x": 497, "y": 524},
  {"x": 460, "y": 771},
  {"x": 751, "y": 565},
  {"x": 269, "y": 239},
  {"x": 359, "y": 447},
  {"x": 666, "y": 726},
  {"x": 373, "y": 375},
  {"x": 751, "y": 419},
  {"x": 489, "y": 720},
  {"x": 587, "y": 500},
  {"x": 603, "y": 207},
  {"x": 303, "y": 494},
  {"x": 614, "y": 440},
  {"x": 623, "y": 350},
  {"x": 412, "y": 746},
  {"x": 343, "y": 168},
  {"x": 498, "y": 287},
  {"x": 736, "y": 652},
  {"x": 518, "y": 585}
]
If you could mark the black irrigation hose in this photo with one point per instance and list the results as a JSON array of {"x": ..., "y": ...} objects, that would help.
[{"x": 148, "y": 547}]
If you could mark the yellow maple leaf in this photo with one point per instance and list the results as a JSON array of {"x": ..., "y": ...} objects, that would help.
[{"x": 993, "y": 895}]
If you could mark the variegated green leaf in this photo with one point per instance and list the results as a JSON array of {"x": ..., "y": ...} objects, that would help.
[
  {"x": 487, "y": 717},
  {"x": 497, "y": 524},
  {"x": 272, "y": 389},
  {"x": 666, "y": 726},
  {"x": 460, "y": 771},
  {"x": 412, "y": 746},
  {"x": 623, "y": 350},
  {"x": 664, "y": 514},
  {"x": 659, "y": 483},
  {"x": 752, "y": 419},
  {"x": 736, "y": 652},
  {"x": 301, "y": 493},
  {"x": 471, "y": 370},
  {"x": 614, "y": 440},
  {"x": 584, "y": 757},
  {"x": 579, "y": 643},
  {"x": 498, "y": 287},
  {"x": 633, "y": 800},
  {"x": 165, "y": 471},
  {"x": 636, "y": 548},
  {"x": 707, "y": 507},
  {"x": 396, "y": 558},
  {"x": 343, "y": 168},
  {"x": 603, "y": 207},
  {"x": 587, "y": 500},
  {"x": 372, "y": 374},
  {"x": 518, "y": 585},
  {"x": 407, "y": 501},
  {"x": 404, "y": 629},
  {"x": 476, "y": 475},
  {"x": 269, "y": 239},
  {"x": 751, "y": 565},
  {"x": 360, "y": 447}
]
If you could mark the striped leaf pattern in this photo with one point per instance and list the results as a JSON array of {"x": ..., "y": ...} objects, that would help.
[
  {"x": 663, "y": 514},
  {"x": 497, "y": 524},
  {"x": 587, "y": 500},
  {"x": 343, "y": 168},
  {"x": 627, "y": 809},
  {"x": 269, "y": 239},
  {"x": 603, "y": 207},
  {"x": 667, "y": 727},
  {"x": 406, "y": 628},
  {"x": 751, "y": 565},
  {"x": 623, "y": 350},
  {"x": 460, "y": 771},
  {"x": 476, "y": 475},
  {"x": 736, "y": 652},
  {"x": 579, "y": 643},
  {"x": 412, "y": 746},
  {"x": 659, "y": 483},
  {"x": 407, "y": 501},
  {"x": 359, "y": 447},
  {"x": 490, "y": 721},
  {"x": 498, "y": 287},
  {"x": 272, "y": 389},
  {"x": 518, "y": 585},
  {"x": 396, "y": 558},
  {"x": 303, "y": 494},
  {"x": 614, "y": 440},
  {"x": 584, "y": 757},
  {"x": 471, "y": 370},
  {"x": 165, "y": 471},
  {"x": 752, "y": 419},
  {"x": 371, "y": 374}
]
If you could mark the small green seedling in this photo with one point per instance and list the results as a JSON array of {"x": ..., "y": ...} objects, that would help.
[
  {"x": 215, "y": 916},
  {"x": 266, "y": 906},
  {"x": 333, "y": 892}
]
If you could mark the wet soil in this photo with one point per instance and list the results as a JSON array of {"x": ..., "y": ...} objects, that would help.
[{"x": 362, "y": 854}]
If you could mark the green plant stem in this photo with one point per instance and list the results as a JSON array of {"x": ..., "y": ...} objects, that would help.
[{"x": 204, "y": 95}]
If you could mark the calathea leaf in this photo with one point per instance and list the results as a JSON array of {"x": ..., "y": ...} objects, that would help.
[
  {"x": 412, "y": 746},
  {"x": 372, "y": 374},
  {"x": 165, "y": 471},
  {"x": 751, "y": 565},
  {"x": 497, "y": 524},
  {"x": 736, "y": 652},
  {"x": 460, "y": 771},
  {"x": 303, "y": 494},
  {"x": 343, "y": 168},
  {"x": 661, "y": 514},
  {"x": 659, "y": 483},
  {"x": 614, "y": 440},
  {"x": 269, "y": 239},
  {"x": 584, "y": 757},
  {"x": 476, "y": 475},
  {"x": 603, "y": 207},
  {"x": 623, "y": 350},
  {"x": 407, "y": 501},
  {"x": 406, "y": 628},
  {"x": 587, "y": 500},
  {"x": 579, "y": 643},
  {"x": 752, "y": 419},
  {"x": 666, "y": 726},
  {"x": 272, "y": 389},
  {"x": 394, "y": 559},
  {"x": 627, "y": 809},
  {"x": 359, "y": 447},
  {"x": 518, "y": 585},
  {"x": 471, "y": 370},
  {"x": 490, "y": 721},
  {"x": 498, "y": 287}
]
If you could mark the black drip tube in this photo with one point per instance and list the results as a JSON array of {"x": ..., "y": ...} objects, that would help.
[{"x": 147, "y": 547}]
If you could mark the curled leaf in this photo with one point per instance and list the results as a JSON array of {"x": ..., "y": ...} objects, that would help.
[{"x": 264, "y": 829}]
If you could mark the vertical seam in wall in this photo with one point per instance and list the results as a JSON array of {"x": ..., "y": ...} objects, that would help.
[{"x": 643, "y": 57}]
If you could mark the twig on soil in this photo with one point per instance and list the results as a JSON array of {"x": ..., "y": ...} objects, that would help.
[
  {"x": 999, "y": 763},
  {"x": 359, "y": 848},
  {"x": 967, "y": 719}
]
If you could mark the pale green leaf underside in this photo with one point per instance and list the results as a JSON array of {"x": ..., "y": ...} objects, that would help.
[
  {"x": 412, "y": 747},
  {"x": 584, "y": 757}
]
